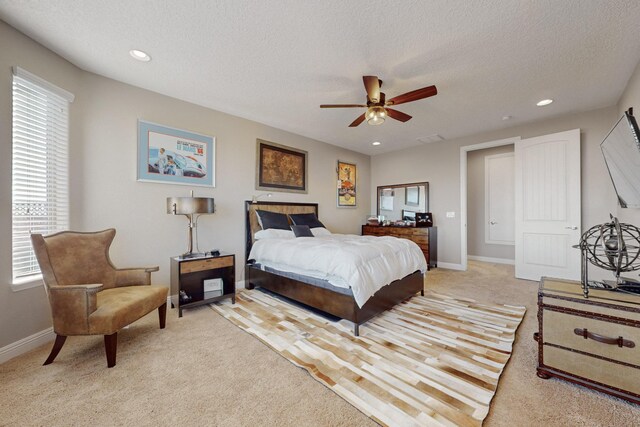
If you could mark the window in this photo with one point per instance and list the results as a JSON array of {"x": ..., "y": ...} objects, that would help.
[{"x": 40, "y": 177}]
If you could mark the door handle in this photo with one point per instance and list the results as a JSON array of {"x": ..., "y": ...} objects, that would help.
[
  {"x": 572, "y": 227},
  {"x": 493, "y": 222}
]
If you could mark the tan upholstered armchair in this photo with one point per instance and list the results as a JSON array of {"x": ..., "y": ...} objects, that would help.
[{"x": 87, "y": 294}]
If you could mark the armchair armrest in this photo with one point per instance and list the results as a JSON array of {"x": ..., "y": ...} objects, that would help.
[
  {"x": 134, "y": 276},
  {"x": 71, "y": 306}
]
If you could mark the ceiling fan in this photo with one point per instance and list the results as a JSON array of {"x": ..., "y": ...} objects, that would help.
[{"x": 377, "y": 105}]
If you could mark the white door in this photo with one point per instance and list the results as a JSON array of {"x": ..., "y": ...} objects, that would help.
[
  {"x": 548, "y": 206},
  {"x": 499, "y": 199}
]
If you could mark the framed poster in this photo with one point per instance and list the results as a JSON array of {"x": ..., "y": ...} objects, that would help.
[
  {"x": 347, "y": 184},
  {"x": 280, "y": 168},
  {"x": 175, "y": 156},
  {"x": 412, "y": 196}
]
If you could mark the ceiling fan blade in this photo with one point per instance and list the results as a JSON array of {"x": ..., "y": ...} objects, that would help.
[
  {"x": 398, "y": 115},
  {"x": 414, "y": 95},
  {"x": 357, "y": 121},
  {"x": 341, "y": 105},
  {"x": 372, "y": 85}
]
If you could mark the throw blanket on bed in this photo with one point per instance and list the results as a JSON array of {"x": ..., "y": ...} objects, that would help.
[{"x": 363, "y": 263}]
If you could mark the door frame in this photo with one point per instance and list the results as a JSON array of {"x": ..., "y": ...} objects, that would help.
[{"x": 463, "y": 189}]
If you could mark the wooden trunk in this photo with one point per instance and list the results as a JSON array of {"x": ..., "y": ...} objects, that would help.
[{"x": 594, "y": 342}]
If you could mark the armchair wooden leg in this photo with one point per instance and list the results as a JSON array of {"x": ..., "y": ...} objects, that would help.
[
  {"x": 60, "y": 339},
  {"x": 162, "y": 315},
  {"x": 111, "y": 346}
]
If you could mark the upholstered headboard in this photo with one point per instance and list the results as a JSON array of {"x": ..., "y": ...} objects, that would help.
[{"x": 251, "y": 219}]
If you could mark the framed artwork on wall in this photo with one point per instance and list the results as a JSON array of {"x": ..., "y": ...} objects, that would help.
[
  {"x": 174, "y": 156},
  {"x": 412, "y": 196},
  {"x": 347, "y": 178},
  {"x": 280, "y": 168}
]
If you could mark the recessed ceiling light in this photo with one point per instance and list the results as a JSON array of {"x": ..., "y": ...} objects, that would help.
[
  {"x": 376, "y": 143},
  {"x": 544, "y": 102},
  {"x": 507, "y": 117},
  {"x": 140, "y": 55}
]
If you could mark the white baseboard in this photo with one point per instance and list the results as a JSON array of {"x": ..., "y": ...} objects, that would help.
[
  {"x": 450, "y": 266},
  {"x": 26, "y": 344},
  {"x": 492, "y": 260}
]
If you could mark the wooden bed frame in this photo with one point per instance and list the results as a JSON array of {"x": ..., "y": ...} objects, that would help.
[{"x": 326, "y": 300}]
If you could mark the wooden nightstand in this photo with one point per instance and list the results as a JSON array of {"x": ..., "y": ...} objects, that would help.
[{"x": 188, "y": 276}]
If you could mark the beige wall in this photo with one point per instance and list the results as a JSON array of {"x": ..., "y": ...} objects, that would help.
[
  {"x": 104, "y": 191},
  {"x": 25, "y": 312},
  {"x": 111, "y": 197},
  {"x": 476, "y": 219},
  {"x": 439, "y": 163}
]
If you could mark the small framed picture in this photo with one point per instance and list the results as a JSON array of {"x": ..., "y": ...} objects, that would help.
[{"x": 408, "y": 215}]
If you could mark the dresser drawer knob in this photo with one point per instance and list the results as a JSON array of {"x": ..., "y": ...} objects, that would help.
[{"x": 620, "y": 342}]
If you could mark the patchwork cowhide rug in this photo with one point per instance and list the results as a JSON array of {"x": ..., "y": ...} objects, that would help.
[{"x": 432, "y": 360}]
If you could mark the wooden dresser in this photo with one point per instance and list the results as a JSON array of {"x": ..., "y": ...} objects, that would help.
[
  {"x": 594, "y": 342},
  {"x": 425, "y": 237}
]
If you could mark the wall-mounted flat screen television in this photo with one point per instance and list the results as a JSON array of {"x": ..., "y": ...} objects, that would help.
[{"x": 621, "y": 150}]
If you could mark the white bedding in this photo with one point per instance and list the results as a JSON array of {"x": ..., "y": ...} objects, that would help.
[{"x": 363, "y": 263}]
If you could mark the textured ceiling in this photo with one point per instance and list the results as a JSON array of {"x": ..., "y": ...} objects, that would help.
[{"x": 276, "y": 61}]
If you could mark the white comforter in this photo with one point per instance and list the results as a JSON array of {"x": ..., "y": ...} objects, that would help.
[{"x": 363, "y": 263}]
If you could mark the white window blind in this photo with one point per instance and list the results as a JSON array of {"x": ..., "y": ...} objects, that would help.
[{"x": 40, "y": 172}]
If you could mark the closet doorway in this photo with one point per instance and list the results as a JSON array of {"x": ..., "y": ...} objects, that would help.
[{"x": 491, "y": 205}]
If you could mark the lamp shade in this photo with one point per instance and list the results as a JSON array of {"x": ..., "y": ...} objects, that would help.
[{"x": 189, "y": 205}]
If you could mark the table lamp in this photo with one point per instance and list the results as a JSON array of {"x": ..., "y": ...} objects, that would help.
[{"x": 192, "y": 208}]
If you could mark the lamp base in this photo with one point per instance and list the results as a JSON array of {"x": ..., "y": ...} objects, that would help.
[{"x": 189, "y": 255}]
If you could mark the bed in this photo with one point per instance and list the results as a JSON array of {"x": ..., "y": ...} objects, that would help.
[{"x": 326, "y": 299}]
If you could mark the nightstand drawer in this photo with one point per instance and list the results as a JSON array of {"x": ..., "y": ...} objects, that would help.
[
  {"x": 559, "y": 328},
  {"x": 612, "y": 374},
  {"x": 205, "y": 264}
]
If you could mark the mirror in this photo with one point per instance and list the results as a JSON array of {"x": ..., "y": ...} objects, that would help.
[
  {"x": 621, "y": 150},
  {"x": 402, "y": 201}
]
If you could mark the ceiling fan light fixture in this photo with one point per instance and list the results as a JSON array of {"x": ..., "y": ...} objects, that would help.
[{"x": 376, "y": 115}]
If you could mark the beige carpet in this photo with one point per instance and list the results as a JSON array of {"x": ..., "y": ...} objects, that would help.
[
  {"x": 203, "y": 370},
  {"x": 432, "y": 360}
]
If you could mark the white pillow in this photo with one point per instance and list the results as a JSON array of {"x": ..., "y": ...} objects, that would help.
[
  {"x": 274, "y": 233},
  {"x": 320, "y": 231}
]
